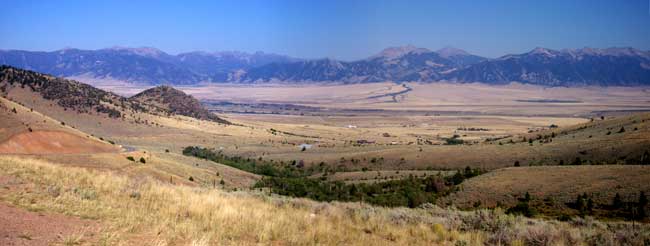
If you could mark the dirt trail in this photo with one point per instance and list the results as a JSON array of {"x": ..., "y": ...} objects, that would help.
[{"x": 52, "y": 142}]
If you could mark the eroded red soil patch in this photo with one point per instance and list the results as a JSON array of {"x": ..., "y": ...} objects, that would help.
[{"x": 52, "y": 142}]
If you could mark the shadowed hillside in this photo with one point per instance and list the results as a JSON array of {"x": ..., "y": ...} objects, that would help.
[
  {"x": 69, "y": 94},
  {"x": 175, "y": 101},
  {"x": 84, "y": 98}
]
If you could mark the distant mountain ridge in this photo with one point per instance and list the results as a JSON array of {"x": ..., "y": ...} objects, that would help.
[
  {"x": 399, "y": 64},
  {"x": 606, "y": 67},
  {"x": 139, "y": 65},
  {"x": 540, "y": 66}
]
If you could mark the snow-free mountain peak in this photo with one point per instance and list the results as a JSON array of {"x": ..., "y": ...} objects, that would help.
[
  {"x": 142, "y": 51},
  {"x": 399, "y": 51},
  {"x": 449, "y": 51},
  {"x": 543, "y": 51}
]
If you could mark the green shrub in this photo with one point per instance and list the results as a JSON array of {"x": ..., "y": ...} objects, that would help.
[
  {"x": 643, "y": 202},
  {"x": 455, "y": 140},
  {"x": 617, "y": 203},
  {"x": 522, "y": 208},
  {"x": 645, "y": 158}
]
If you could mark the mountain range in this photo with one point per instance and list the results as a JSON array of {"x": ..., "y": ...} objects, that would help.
[
  {"x": 540, "y": 66},
  {"x": 139, "y": 65}
]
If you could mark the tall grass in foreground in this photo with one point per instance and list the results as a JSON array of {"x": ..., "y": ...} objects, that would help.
[{"x": 133, "y": 210}]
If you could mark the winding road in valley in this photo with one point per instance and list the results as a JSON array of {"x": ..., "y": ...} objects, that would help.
[{"x": 394, "y": 95}]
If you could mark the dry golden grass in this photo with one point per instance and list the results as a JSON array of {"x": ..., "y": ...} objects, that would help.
[
  {"x": 165, "y": 214},
  {"x": 152, "y": 213}
]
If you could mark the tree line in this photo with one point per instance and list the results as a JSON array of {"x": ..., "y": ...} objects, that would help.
[{"x": 291, "y": 181}]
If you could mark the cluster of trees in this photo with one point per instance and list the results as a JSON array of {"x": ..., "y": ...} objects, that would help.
[
  {"x": 585, "y": 205},
  {"x": 142, "y": 160},
  {"x": 460, "y": 176},
  {"x": 112, "y": 113},
  {"x": 472, "y": 129},
  {"x": 523, "y": 207},
  {"x": 293, "y": 180},
  {"x": 454, "y": 140},
  {"x": 250, "y": 165},
  {"x": 618, "y": 208},
  {"x": 410, "y": 192},
  {"x": 643, "y": 159}
]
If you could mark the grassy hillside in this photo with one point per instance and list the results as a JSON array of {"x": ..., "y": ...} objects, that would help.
[
  {"x": 147, "y": 211},
  {"x": 607, "y": 140},
  {"x": 86, "y": 99},
  {"x": 24, "y": 131},
  {"x": 554, "y": 188}
]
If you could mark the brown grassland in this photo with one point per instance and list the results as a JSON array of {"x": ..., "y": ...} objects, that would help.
[
  {"x": 154, "y": 213},
  {"x": 559, "y": 183},
  {"x": 357, "y": 135}
]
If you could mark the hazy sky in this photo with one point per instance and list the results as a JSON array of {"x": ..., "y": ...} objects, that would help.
[{"x": 313, "y": 29}]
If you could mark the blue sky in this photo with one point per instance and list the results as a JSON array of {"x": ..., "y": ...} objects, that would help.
[{"x": 345, "y": 30}]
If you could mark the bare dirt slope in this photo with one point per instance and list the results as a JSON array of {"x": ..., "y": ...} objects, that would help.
[
  {"x": 52, "y": 142},
  {"x": 25, "y": 131}
]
